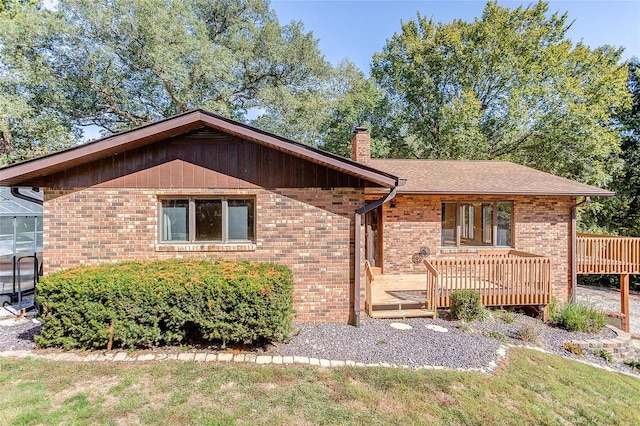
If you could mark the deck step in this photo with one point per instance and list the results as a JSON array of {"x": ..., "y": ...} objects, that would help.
[{"x": 402, "y": 313}]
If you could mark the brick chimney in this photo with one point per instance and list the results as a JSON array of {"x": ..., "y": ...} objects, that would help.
[{"x": 361, "y": 145}]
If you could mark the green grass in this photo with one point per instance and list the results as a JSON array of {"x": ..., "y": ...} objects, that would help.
[{"x": 530, "y": 388}]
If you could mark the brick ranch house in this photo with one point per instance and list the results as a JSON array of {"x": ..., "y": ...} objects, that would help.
[{"x": 358, "y": 234}]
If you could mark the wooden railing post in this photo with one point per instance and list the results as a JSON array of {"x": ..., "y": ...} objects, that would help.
[
  {"x": 368, "y": 272},
  {"x": 624, "y": 300},
  {"x": 432, "y": 284}
]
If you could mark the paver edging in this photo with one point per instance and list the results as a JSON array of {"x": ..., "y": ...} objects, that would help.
[
  {"x": 621, "y": 346},
  {"x": 226, "y": 357}
]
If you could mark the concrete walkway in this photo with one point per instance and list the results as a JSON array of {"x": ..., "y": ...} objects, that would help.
[{"x": 608, "y": 299}]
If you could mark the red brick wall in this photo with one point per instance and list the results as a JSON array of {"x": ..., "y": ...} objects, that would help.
[
  {"x": 309, "y": 230},
  {"x": 542, "y": 225}
]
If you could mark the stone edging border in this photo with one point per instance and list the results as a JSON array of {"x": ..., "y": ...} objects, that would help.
[
  {"x": 620, "y": 346},
  {"x": 225, "y": 357}
]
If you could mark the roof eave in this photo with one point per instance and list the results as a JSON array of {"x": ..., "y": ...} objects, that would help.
[{"x": 508, "y": 193}]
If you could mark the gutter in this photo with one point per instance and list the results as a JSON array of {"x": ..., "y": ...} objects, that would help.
[
  {"x": 357, "y": 260},
  {"x": 16, "y": 193},
  {"x": 574, "y": 252}
]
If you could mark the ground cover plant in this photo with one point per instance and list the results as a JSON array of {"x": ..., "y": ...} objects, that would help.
[
  {"x": 153, "y": 303},
  {"x": 633, "y": 363},
  {"x": 529, "y": 388},
  {"x": 577, "y": 317}
]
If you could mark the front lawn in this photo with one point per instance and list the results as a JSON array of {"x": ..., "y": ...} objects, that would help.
[{"x": 530, "y": 388}]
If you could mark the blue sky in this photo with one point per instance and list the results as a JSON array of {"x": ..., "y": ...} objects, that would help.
[{"x": 357, "y": 29}]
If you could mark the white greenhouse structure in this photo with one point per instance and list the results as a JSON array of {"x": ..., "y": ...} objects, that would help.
[{"x": 20, "y": 242}]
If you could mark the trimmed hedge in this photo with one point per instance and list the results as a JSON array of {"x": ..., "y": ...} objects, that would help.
[{"x": 154, "y": 303}]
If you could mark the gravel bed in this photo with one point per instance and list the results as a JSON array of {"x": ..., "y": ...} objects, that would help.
[
  {"x": 17, "y": 334},
  {"x": 462, "y": 346},
  {"x": 377, "y": 342}
]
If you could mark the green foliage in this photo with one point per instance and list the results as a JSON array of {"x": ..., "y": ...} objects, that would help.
[
  {"x": 577, "y": 317},
  {"x": 633, "y": 363},
  {"x": 507, "y": 316},
  {"x": 145, "y": 304},
  {"x": 466, "y": 305},
  {"x": 604, "y": 354},
  {"x": 498, "y": 335},
  {"x": 29, "y": 124},
  {"x": 508, "y": 86},
  {"x": 620, "y": 215},
  {"x": 124, "y": 63}
]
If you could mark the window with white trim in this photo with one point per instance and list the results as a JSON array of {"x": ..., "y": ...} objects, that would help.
[
  {"x": 477, "y": 224},
  {"x": 207, "y": 220}
]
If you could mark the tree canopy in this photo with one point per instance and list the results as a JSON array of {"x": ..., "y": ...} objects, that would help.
[
  {"x": 29, "y": 123},
  {"x": 621, "y": 213},
  {"x": 122, "y": 63},
  {"x": 509, "y": 85}
]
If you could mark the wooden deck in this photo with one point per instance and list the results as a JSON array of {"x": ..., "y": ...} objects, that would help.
[
  {"x": 507, "y": 278},
  {"x": 605, "y": 254},
  {"x": 398, "y": 296}
]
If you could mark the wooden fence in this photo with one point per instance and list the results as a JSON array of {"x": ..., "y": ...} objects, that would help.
[
  {"x": 501, "y": 278},
  {"x": 604, "y": 254}
]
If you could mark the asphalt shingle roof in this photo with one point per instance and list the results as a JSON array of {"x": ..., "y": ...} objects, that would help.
[{"x": 480, "y": 177}]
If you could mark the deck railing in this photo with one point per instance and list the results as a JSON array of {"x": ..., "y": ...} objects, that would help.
[
  {"x": 605, "y": 254},
  {"x": 368, "y": 272},
  {"x": 432, "y": 285},
  {"x": 501, "y": 278}
]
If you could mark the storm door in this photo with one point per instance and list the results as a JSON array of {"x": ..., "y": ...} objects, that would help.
[{"x": 373, "y": 237}]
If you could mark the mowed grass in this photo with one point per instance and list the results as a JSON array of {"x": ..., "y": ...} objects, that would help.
[{"x": 530, "y": 388}]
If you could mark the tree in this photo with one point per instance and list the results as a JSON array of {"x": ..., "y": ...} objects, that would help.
[
  {"x": 620, "y": 215},
  {"x": 28, "y": 126},
  {"x": 325, "y": 117},
  {"x": 125, "y": 63},
  {"x": 628, "y": 186},
  {"x": 507, "y": 86}
]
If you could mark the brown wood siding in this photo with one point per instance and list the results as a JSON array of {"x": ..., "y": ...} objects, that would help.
[{"x": 204, "y": 158}]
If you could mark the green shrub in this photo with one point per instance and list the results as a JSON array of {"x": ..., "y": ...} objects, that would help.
[
  {"x": 145, "y": 304},
  {"x": 466, "y": 305},
  {"x": 604, "y": 354},
  {"x": 577, "y": 317},
  {"x": 633, "y": 363},
  {"x": 497, "y": 335},
  {"x": 507, "y": 316}
]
